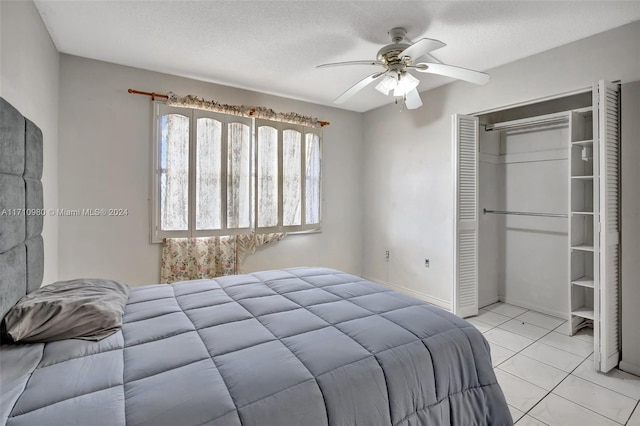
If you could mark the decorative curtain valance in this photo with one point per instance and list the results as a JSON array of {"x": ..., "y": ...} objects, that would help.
[{"x": 191, "y": 101}]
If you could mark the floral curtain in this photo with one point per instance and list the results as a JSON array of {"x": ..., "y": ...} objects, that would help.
[
  {"x": 248, "y": 244},
  {"x": 195, "y": 258},
  {"x": 209, "y": 257}
]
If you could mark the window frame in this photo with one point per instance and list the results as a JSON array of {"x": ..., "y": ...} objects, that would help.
[
  {"x": 281, "y": 127},
  {"x": 225, "y": 120},
  {"x": 157, "y": 235},
  {"x": 160, "y": 109}
]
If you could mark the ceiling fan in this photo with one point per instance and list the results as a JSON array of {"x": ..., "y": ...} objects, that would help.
[{"x": 397, "y": 59}]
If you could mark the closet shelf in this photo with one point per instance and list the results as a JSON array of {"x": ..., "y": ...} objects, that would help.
[
  {"x": 583, "y": 247},
  {"x": 585, "y": 281},
  {"x": 584, "y": 110},
  {"x": 587, "y": 142},
  {"x": 583, "y": 312}
]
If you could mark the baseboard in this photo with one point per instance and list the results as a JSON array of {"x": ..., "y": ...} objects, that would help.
[
  {"x": 418, "y": 295},
  {"x": 629, "y": 368},
  {"x": 487, "y": 302},
  {"x": 532, "y": 306},
  {"x": 447, "y": 305}
]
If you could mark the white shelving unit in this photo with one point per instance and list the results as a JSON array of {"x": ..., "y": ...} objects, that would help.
[
  {"x": 594, "y": 240},
  {"x": 583, "y": 247}
]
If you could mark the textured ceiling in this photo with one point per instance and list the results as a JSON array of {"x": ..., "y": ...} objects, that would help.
[{"x": 274, "y": 46}]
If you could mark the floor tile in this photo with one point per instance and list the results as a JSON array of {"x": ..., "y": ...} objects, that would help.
[
  {"x": 483, "y": 327},
  {"x": 635, "y": 417},
  {"x": 553, "y": 356},
  {"x": 541, "y": 320},
  {"x": 597, "y": 398},
  {"x": 555, "y": 410},
  {"x": 527, "y": 420},
  {"x": 491, "y": 318},
  {"x": 616, "y": 380},
  {"x": 524, "y": 329},
  {"x": 499, "y": 354},
  {"x": 519, "y": 393},
  {"x": 505, "y": 309},
  {"x": 566, "y": 343},
  {"x": 585, "y": 334},
  {"x": 507, "y": 339},
  {"x": 548, "y": 377},
  {"x": 535, "y": 372},
  {"x": 564, "y": 328},
  {"x": 515, "y": 413}
]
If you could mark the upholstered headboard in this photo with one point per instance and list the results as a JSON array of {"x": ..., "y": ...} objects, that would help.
[{"x": 21, "y": 205}]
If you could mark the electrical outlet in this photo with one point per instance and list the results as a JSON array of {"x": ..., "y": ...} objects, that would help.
[
  {"x": 426, "y": 263},
  {"x": 386, "y": 255}
]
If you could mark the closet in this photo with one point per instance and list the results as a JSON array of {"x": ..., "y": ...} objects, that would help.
[{"x": 536, "y": 212}]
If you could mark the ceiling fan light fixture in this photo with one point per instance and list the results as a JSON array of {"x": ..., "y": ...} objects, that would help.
[
  {"x": 406, "y": 83},
  {"x": 387, "y": 84},
  {"x": 397, "y": 59}
]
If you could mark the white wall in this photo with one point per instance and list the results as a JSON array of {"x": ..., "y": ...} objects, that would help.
[
  {"x": 104, "y": 160},
  {"x": 523, "y": 259},
  {"x": 29, "y": 64},
  {"x": 408, "y": 175},
  {"x": 535, "y": 248}
]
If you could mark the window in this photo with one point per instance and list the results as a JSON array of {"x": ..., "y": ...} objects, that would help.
[{"x": 220, "y": 174}]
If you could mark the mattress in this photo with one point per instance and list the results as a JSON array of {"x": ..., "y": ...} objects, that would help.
[{"x": 303, "y": 346}]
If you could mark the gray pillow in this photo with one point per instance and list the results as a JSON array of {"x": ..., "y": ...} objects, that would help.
[{"x": 89, "y": 309}]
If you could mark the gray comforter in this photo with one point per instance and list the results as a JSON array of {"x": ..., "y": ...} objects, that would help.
[{"x": 305, "y": 346}]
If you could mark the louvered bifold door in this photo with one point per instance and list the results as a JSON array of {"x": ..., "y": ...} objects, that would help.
[
  {"x": 465, "y": 175},
  {"x": 609, "y": 157}
]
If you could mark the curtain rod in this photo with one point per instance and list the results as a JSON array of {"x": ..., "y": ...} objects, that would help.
[
  {"x": 555, "y": 117},
  {"x": 501, "y": 126},
  {"x": 155, "y": 95}
]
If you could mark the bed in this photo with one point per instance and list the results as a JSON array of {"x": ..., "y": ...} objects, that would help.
[{"x": 301, "y": 346}]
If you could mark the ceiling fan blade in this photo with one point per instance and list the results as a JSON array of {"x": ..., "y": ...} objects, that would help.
[
  {"x": 357, "y": 87},
  {"x": 412, "y": 99},
  {"x": 339, "y": 64},
  {"x": 421, "y": 47},
  {"x": 465, "y": 74}
]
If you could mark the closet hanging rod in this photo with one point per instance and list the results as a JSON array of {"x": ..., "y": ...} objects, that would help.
[
  {"x": 528, "y": 122},
  {"x": 485, "y": 211}
]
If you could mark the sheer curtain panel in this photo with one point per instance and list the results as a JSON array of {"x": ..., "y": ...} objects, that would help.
[
  {"x": 174, "y": 172},
  {"x": 288, "y": 177},
  {"x": 203, "y": 174}
]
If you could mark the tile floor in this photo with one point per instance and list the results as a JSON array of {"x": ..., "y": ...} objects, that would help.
[{"x": 548, "y": 377}]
